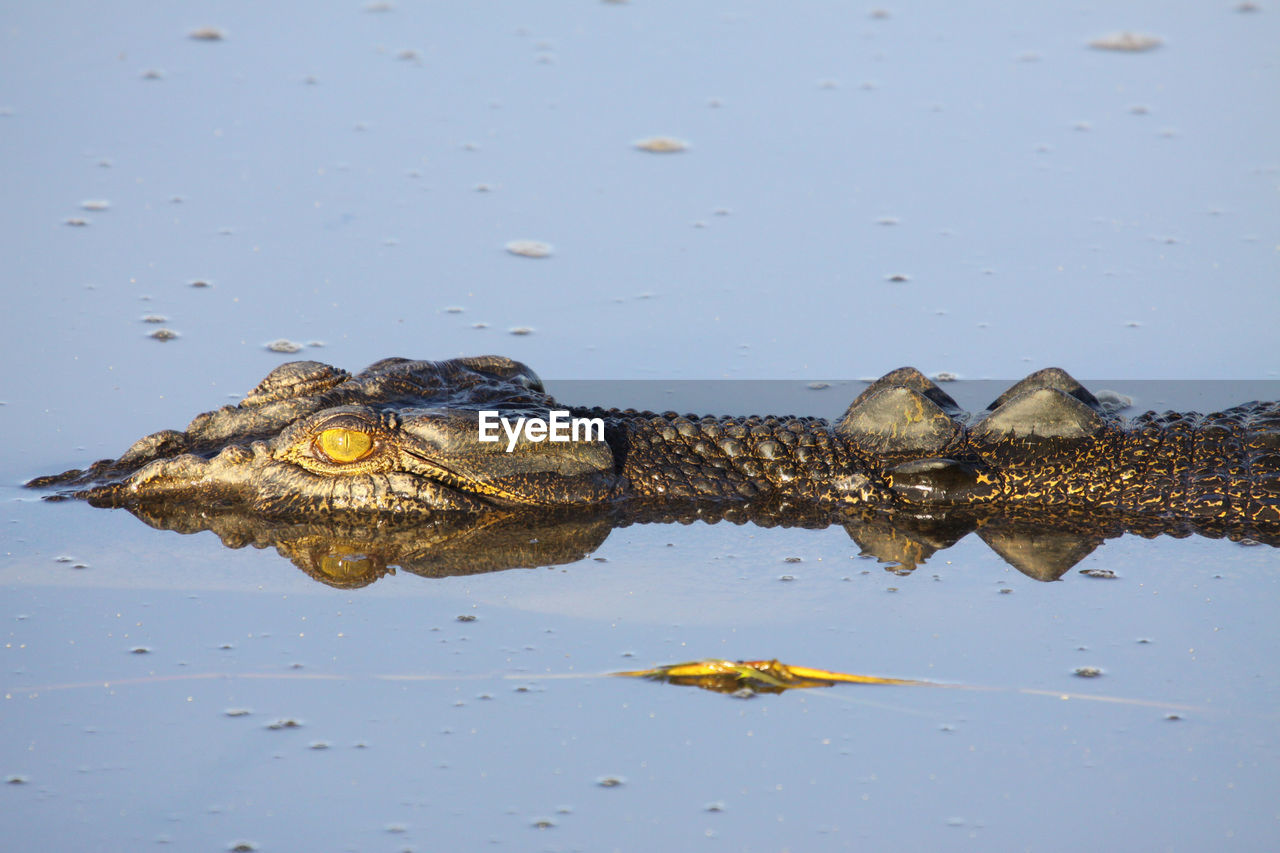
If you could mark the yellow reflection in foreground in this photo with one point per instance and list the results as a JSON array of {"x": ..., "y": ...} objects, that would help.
[
  {"x": 755, "y": 676},
  {"x": 740, "y": 678}
]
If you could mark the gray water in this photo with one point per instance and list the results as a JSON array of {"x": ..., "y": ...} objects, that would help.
[{"x": 348, "y": 178}]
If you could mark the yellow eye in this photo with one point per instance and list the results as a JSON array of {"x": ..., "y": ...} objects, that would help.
[
  {"x": 347, "y": 571},
  {"x": 344, "y": 445}
]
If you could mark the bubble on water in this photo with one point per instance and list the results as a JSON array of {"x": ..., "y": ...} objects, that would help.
[
  {"x": 1126, "y": 42},
  {"x": 1113, "y": 401},
  {"x": 284, "y": 723},
  {"x": 283, "y": 345},
  {"x": 1103, "y": 574},
  {"x": 207, "y": 34},
  {"x": 661, "y": 145},
  {"x": 529, "y": 248}
]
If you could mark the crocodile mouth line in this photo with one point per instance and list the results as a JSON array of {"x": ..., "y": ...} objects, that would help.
[{"x": 448, "y": 477}]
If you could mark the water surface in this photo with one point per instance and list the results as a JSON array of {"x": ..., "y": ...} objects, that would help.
[{"x": 347, "y": 178}]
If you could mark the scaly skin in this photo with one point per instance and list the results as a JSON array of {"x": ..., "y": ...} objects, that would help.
[
  {"x": 1223, "y": 469},
  {"x": 1046, "y": 449},
  {"x": 741, "y": 459}
]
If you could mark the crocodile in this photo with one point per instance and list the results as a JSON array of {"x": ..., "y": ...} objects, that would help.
[{"x": 402, "y": 440}]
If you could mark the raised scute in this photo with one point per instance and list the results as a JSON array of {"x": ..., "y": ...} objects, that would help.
[
  {"x": 897, "y": 420},
  {"x": 1044, "y": 412},
  {"x": 1049, "y": 377},
  {"x": 909, "y": 377}
]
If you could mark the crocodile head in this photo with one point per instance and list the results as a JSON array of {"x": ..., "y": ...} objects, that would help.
[{"x": 401, "y": 437}]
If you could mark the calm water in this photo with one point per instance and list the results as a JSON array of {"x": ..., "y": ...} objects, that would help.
[{"x": 350, "y": 178}]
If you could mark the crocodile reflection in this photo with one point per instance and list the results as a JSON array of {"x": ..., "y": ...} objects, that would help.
[{"x": 353, "y": 553}]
